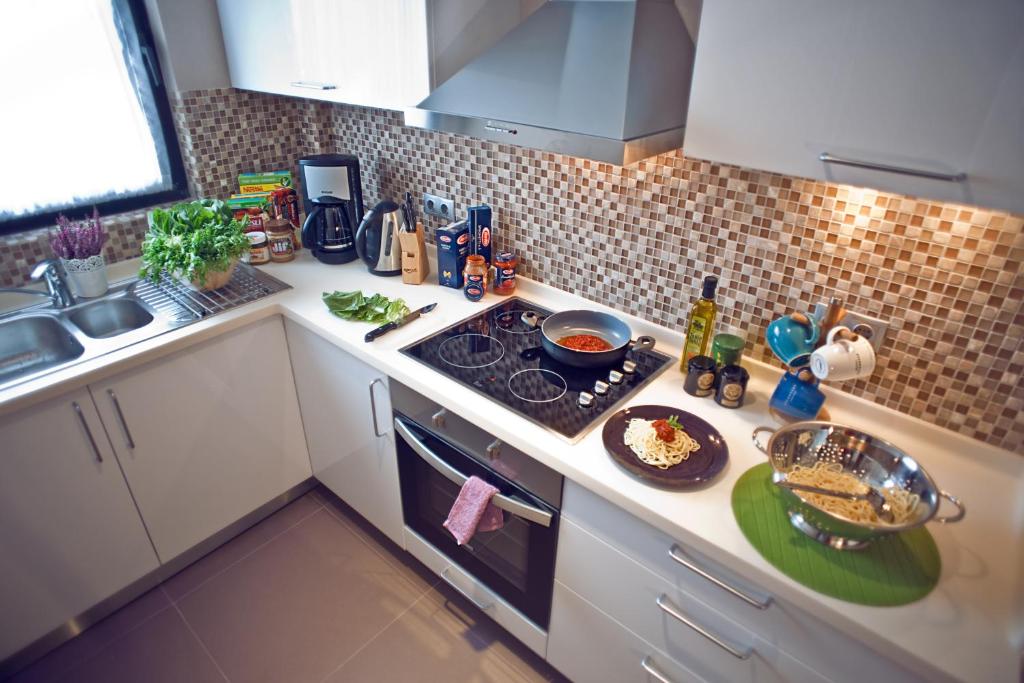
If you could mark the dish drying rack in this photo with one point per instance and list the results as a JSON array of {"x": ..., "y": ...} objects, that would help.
[{"x": 182, "y": 303}]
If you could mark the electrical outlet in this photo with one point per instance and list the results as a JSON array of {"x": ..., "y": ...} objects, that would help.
[
  {"x": 872, "y": 328},
  {"x": 433, "y": 205}
]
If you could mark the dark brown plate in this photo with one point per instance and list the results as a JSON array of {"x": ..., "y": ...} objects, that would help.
[{"x": 700, "y": 468}]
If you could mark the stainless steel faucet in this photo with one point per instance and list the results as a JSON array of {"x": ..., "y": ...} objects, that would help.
[{"x": 57, "y": 288}]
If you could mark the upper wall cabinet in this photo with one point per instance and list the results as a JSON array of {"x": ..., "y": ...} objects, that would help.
[
  {"x": 921, "y": 97},
  {"x": 366, "y": 52}
]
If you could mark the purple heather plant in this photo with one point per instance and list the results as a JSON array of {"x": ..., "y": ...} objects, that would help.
[{"x": 78, "y": 239}]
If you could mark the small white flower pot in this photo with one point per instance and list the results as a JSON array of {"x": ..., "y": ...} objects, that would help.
[{"x": 87, "y": 276}]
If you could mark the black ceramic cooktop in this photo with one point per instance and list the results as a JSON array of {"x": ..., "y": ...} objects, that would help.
[{"x": 499, "y": 356}]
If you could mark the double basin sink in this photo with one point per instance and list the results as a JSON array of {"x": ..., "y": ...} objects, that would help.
[{"x": 40, "y": 339}]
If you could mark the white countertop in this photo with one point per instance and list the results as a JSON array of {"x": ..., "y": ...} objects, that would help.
[{"x": 971, "y": 627}]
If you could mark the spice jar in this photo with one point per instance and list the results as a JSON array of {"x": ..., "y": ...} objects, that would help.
[
  {"x": 700, "y": 376},
  {"x": 732, "y": 386},
  {"x": 475, "y": 277},
  {"x": 505, "y": 273},
  {"x": 259, "y": 249},
  {"x": 279, "y": 234}
]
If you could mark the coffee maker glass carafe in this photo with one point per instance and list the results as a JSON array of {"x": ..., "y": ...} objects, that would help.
[{"x": 328, "y": 231}]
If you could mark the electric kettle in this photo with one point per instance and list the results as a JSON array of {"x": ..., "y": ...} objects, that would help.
[{"x": 377, "y": 238}]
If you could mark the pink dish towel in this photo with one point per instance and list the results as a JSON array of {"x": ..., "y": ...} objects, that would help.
[{"x": 473, "y": 511}]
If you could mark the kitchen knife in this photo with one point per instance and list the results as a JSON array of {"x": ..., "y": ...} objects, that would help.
[{"x": 387, "y": 327}]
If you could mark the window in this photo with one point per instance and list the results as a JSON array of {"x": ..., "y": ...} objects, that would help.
[{"x": 84, "y": 119}]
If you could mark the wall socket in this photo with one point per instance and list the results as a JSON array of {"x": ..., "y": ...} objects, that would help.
[
  {"x": 434, "y": 205},
  {"x": 874, "y": 329}
]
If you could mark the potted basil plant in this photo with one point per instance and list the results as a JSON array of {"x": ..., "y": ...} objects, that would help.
[
  {"x": 199, "y": 242},
  {"x": 79, "y": 245}
]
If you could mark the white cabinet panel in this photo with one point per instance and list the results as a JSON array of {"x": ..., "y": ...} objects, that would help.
[
  {"x": 70, "y": 535},
  {"x": 365, "y": 52},
  {"x": 207, "y": 435},
  {"x": 934, "y": 86},
  {"x": 346, "y": 410}
]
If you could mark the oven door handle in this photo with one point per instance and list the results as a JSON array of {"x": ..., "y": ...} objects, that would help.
[{"x": 510, "y": 505}]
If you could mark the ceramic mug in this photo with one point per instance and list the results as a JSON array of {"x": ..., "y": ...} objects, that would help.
[
  {"x": 792, "y": 338},
  {"x": 797, "y": 398},
  {"x": 842, "y": 359}
]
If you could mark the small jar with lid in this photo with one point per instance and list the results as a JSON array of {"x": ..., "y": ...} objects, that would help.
[
  {"x": 279, "y": 234},
  {"x": 259, "y": 249},
  {"x": 505, "y": 273},
  {"x": 475, "y": 277},
  {"x": 700, "y": 376},
  {"x": 732, "y": 386}
]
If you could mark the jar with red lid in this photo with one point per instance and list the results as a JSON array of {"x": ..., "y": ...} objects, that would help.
[{"x": 505, "y": 273}]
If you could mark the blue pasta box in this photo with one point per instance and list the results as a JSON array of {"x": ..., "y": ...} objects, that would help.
[
  {"x": 452, "y": 250},
  {"x": 481, "y": 231}
]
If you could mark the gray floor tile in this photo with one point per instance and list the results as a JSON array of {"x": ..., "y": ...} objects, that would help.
[
  {"x": 300, "y": 605},
  {"x": 92, "y": 640},
  {"x": 443, "y": 638},
  {"x": 161, "y": 649},
  {"x": 200, "y": 571}
]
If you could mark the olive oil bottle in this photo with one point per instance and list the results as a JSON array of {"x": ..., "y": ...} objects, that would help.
[{"x": 701, "y": 324}]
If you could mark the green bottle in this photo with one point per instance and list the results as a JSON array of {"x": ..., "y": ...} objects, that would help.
[{"x": 702, "y": 322}]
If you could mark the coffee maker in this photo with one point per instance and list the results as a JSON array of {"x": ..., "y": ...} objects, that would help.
[{"x": 332, "y": 198}]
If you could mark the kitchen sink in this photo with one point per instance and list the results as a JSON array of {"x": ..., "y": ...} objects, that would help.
[
  {"x": 34, "y": 344},
  {"x": 104, "y": 319}
]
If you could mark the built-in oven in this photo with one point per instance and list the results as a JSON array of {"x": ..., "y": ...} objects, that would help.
[{"x": 437, "y": 452}]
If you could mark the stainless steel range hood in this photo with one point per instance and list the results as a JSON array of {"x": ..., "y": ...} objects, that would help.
[{"x": 598, "y": 79}]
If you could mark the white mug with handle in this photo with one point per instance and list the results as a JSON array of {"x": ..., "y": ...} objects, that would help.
[{"x": 842, "y": 359}]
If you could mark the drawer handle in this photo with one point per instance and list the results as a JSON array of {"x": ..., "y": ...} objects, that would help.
[
  {"x": 88, "y": 432},
  {"x": 479, "y": 605},
  {"x": 373, "y": 407},
  {"x": 648, "y": 664},
  {"x": 900, "y": 170},
  {"x": 668, "y": 608},
  {"x": 120, "y": 416},
  {"x": 677, "y": 554}
]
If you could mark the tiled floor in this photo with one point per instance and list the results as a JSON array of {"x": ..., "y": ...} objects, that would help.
[{"x": 311, "y": 593}]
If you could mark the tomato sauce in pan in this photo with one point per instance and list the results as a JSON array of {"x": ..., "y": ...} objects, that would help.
[{"x": 584, "y": 342}]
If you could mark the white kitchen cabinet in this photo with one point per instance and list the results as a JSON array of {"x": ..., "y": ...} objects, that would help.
[
  {"x": 936, "y": 86},
  {"x": 207, "y": 435},
  {"x": 346, "y": 410},
  {"x": 70, "y": 534},
  {"x": 365, "y": 52}
]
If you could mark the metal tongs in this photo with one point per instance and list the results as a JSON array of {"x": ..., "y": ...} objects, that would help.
[{"x": 875, "y": 499}]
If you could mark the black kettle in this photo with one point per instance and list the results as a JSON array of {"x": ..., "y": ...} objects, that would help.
[{"x": 377, "y": 238}]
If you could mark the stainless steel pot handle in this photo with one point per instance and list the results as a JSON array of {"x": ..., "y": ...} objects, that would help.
[
  {"x": 961, "y": 509},
  {"x": 503, "y": 502},
  {"x": 668, "y": 608},
  {"x": 648, "y": 664},
  {"x": 757, "y": 431},
  {"x": 677, "y": 554}
]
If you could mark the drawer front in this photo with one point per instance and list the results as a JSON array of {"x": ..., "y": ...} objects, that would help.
[
  {"x": 710, "y": 644},
  {"x": 784, "y": 626},
  {"x": 589, "y": 647}
]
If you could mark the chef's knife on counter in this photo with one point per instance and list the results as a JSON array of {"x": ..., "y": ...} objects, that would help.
[{"x": 387, "y": 327}]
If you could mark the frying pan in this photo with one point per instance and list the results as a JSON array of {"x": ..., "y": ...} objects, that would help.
[{"x": 603, "y": 325}]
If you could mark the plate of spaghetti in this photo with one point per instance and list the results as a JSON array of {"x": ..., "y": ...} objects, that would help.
[{"x": 665, "y": 446}]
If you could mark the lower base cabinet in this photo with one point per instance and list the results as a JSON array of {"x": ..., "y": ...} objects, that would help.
[{"x": 70, "y": 535}]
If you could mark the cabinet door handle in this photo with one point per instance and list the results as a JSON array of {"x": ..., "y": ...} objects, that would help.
[
  {"x": 648, "y": 664},
  {"x": 88, "y": 432},
  {"x": 677, "y": 554},
  {"x": 120, "y": 416},
  {"x": 668, "y": 608},
  {"x": 373, "y": 407},
  {"x": 900, "y": 170},
  {"x": 479, "y": 605},
  {"x": 313, "y": 85}
]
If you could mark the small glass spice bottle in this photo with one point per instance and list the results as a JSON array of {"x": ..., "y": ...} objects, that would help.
[
  {"x": 505, "y": 273},
  {"x": 732, "y": 386},
  {"x": 279, "y": 234},
  {"x": 700, "y": 376},
  {"x": 475, "y": 277}
]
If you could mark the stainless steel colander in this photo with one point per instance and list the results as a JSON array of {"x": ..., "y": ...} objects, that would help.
[{"x": 874, "y": 461}]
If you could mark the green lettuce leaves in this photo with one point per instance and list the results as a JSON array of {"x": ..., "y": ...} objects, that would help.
[
  {"x": 376, "y": 308},
  {"x": 191, "y": 239}
]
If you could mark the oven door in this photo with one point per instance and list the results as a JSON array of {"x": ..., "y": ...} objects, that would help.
[{"x": 517, "y": 561}]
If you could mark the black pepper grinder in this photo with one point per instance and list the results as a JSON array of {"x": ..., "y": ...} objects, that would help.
[{"x": 732, "y": 386}]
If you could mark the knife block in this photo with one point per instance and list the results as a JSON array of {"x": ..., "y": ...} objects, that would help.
[{"x": 415, "y": 267}]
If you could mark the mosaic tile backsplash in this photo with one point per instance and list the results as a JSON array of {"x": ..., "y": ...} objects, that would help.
[{"x": 949, "y": 278}]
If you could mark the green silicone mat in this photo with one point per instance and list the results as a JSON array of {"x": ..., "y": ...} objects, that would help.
[{"x": 894, "y": 570}]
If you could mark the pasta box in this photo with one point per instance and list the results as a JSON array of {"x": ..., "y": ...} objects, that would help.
[
  {"x": 452, "y": 250},
  {"x": 480, "y": 231}
]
